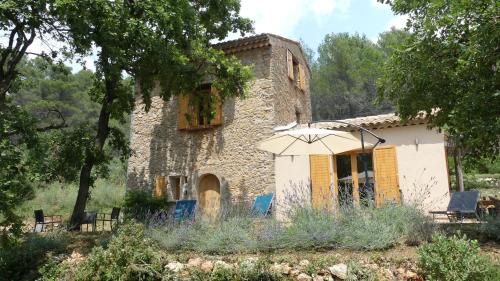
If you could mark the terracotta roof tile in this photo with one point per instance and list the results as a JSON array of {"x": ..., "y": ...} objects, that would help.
[{"x": 373, "y": 122}]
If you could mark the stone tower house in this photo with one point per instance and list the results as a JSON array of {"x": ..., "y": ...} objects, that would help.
[{"x": 218, "y": 162}]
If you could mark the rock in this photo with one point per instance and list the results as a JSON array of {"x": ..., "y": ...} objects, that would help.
[
  {"x": 282, "y": 268},
  {"x": 339, "y": 271},
  {"x": 328, "y": 278},
  {"x": 318, "y": 278},
  {"x": 304, "y": 277},
  {"x": 410, "y": 275},
  {"x": 304, "y": 263},
  {"x": 323, "y": 272},
  {"x": 249, "y": 263},
  {"x": 294, "y": 272},
  {"x": 175, "y": 266},
  {"x": 207, "y": 266},
  {"x": 194, "y": 262},
  {"x": 222, "y": 264},
  {"x": 388, "y": 274}
]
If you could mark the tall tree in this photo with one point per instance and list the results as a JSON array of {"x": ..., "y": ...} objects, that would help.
[
  {"x": 344, "y": 77},
  {"x": 158, "y": 42},
  {"x": 449, "y": 70},
  {"x": 21, "y": 21},
  {"x": 392, "y": 40}
]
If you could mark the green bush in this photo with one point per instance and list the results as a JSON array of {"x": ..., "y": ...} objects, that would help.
[
  {"x": 310, "y": 228},
  {"x": 455, "y": 259},
  {"x": 491, "y": 229},
  {"x": 140, "y": 204},
  {"x": 129, "y": 256},
  {"x": 20, "y": 261},
  {"x": 307, "y": 228}
]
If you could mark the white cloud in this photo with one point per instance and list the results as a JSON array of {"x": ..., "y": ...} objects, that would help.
[
  {"x": 283, "y": 16},
  {"x": 398, "y": 21}
]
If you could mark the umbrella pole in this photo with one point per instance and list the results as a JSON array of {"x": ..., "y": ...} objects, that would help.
[{"x": 365, "y": 165}]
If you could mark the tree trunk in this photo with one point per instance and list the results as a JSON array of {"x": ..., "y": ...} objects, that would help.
[
  {"x": 86, "y": 171},
  {"x": 458, "y": 169}
]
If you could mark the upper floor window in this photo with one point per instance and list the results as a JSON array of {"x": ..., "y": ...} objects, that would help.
[
  {"x": 296, "y": 71},
  {"x": 200, "y": 110}
]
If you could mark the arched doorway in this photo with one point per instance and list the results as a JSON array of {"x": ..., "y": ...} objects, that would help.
[{"x": 209, "y": 195}]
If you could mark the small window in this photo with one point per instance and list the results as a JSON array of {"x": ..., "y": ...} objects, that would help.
[
  {"x": 295, "y": 70},
  {"x": 200, "y": 110},
  {"x": 176, "y": 184}
]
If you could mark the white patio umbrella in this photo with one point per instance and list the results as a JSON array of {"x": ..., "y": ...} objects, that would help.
[{"x": 309, "y": 141}]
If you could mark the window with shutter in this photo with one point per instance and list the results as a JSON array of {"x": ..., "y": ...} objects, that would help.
[{"x": 195, "y": 109}]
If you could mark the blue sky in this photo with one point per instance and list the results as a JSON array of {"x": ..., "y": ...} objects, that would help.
[{"x": 311, "y": 20}]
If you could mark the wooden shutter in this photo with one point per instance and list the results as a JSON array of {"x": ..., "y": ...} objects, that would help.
[
  {"x": 160, "y": 187},
  {"x": 183, "y": 105},
  {"x": 302, "y": 78},
  {"x": 289, "y": 64},
  {"x": 218, "y": 108},
  {"x": 321, "y": 196},
  {"x": 386, "y": 175}
]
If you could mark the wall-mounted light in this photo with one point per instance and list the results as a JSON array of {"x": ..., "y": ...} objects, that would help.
[{"x": 416, "y": 143}]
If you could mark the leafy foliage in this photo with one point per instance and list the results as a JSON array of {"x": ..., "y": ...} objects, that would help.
[
  {"x": 139, "y": 204},
  {"x": 456, "y": 259},
  {"x": 449, "y": 70},
  {"x": 129, "y": 256},
  {"x": 344, "y": 75},
  {"x": 16, "y": 134},
  {"x": 20, "y": 260}
]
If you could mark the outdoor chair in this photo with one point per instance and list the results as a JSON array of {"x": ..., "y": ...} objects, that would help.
[
  {"x": 262, "y": 205},
  {"x": 111, "y": 218},
  {"x": 89, "y": 218},
  {"x": 41, "y": 221},
  {"x": 462, "y": 205},
  {"x": 184, "y": 209}
]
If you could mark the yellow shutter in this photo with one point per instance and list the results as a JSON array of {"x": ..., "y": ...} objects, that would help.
[
  {"x": 193, "y": 116},
  {"x": 160, "y": 187},
  {"x": 183, "y": 105},
  {"x": 321, "y": 196},
  {"x": 302, "y": 78},
  {"x": 386, "y": 175},
  {"x": 289, "y": 63},
  {"x": 218, "y": 108}
]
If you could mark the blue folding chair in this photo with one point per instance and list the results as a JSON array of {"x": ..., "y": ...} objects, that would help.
[
  {"x": 262, "y": 205},
  {"x": 184, "y": 209}
]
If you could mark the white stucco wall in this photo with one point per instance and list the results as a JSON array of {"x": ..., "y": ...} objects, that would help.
[
  {"x": 422, "y": 170},
  {"x": 422, "y": 167},
  {"x": 292, "y": 183}
]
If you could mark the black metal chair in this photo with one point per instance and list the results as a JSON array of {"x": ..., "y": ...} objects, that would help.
[
  {"x": 113, "y": 217},
  {"x": 462, "y": 205},
  {"x": 41, "y": 221},
  {"x": 89, "y": 218}
]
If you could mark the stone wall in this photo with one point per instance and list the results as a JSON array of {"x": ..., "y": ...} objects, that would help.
[{"x": 228, "y": 151}]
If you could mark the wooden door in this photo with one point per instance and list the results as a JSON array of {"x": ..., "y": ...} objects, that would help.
[
  {"x": 209, "y": 195},
  {"x": 321, "y": 195},
  {"x": 386, "y": 175}
]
